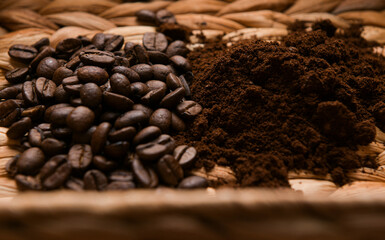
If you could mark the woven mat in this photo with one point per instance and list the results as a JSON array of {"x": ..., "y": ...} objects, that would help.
[{"x": 26, "y": 21}]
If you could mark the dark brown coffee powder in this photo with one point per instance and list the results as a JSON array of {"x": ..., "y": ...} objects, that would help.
[{"x": 305, "y": 103}]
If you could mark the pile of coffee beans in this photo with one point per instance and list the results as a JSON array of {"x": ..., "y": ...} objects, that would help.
[{"x": 93, "y": 116}]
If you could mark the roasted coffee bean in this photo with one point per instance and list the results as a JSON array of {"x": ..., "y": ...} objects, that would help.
[
  {"x": 145, "y": 71},
  {"x": 75, "y": 184},
  {"x": 117, "y": 150},
  {"x": 109, "y": 117},
  {"x": 45, "y": 89},
  {"x": 164, "y": 16},
  {"x": 63, "y": 133},
  {"x": 117, "y": 102},
  {"x": 9, "y": 93},
  {"x": 145, "y": 16},
  {"x": 73, "y": 63},
  {"x": 177, "y": 47},
  {"x": 160, "y": 71},
  {"x": 121, "y": 176},
  {"x": 55, "y": 172},
  {"x": 146, "y": 134},
  {"x": 41, "y": 43},
  {"x": 99, "y": 40},
  {"x": 156, "y": 57},
  {"x": 145, "y": 177},
  {"x": 35, "y": 113},
  {"x": 173, "y": 82},
  {"x": 27, "y": 183},
  {"x": 76, "y": 102},
  {"x": 162, "y": 119},
  {"x": 177, "y": 123},
  {"x": 80, "y": 119},
  {"x": 185, "y": 86},
  {"x": 72, "y": 80},
  {"x": 138, "y": 89},
  {"x": 20, "y": 128},
  {"x": 140, "y": 54},
  {"x": 95, "y": 180},
  {"x": 45, "y": 127},
  {"x": 92, "y": 74},
  {"x": 156, "y": 84},
  {"x": 152, "y": 97},
  {"x": 9, "y": 113},
  {"x": 153, "y": 41},
  {"x": 123, "y": 134},
  {"x": 61, "y": 95},
  {"x": 103, "y": 163},
  {"x": 17, "y": 75},
  {"x": 131, "y": 118},
  {"x": 60, "y": 74},
  {"x": 11, "y": 167},
  {"x": 80, "y": 156},
  {"x": 173, "y": 98},
  {"x": 118, "y": 185},
  {"x": 115, "y": 43},
  {"x": 150, "y": 152},
  {"x": 121, "y": 61},
  {"x": 59, "y": 115},
  {"x": 169, "y": 170},
  {"x": 83, "y": 137},
  {"x": 99, "y": 137},
  {"x": 30, "y": 161},
  {"x": 35, "y": 137},
  {"x": 49, "y": 111},
  {"x": 147, "y": 110},
  {"x": 180, "y": 63},
  {"x": 120, "y": 84},
  {"x": 52, "y": 146},
  {"x": 22, "y": 53},
  {"x": 29, "y": 93},
  {"x": 91, "y": 95},
  {"x": 193, "y": 182},
  {"x": 98, "y": 58},
  {"x": 68, "y": 46},
  {"x": 46, "y": 52},
  {"x": 167, "y": 141},
  {"x": 185, "y": 155},
  {"x": 131, "y": 75},
  {"x": 188, "y": 109}
]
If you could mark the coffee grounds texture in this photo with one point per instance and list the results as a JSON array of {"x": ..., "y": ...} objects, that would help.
[{"x": 303, "y": 104}]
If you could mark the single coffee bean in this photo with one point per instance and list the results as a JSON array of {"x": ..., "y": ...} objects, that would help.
[
  {"x": 74, "y": 184},
  {"x": 9, "y": 113},
  {"x": 45, "y": 89},
  {"x": 46, "y": 52},
  {"x": 180, "y": 63},
  {"x": 177, "y": 47},
  {"x": 155, "y": 41},
  {"x": 52, "y": 146},
  {"x": 30, "y": 161},
  {"x": 61, "y": 95},
  {"x": 83, "y": 137},
  {"x": 72, "y": 80},
  {"x": 59, "y": 115},
  {"x": 147, "y": 110},
  {"x": 91, "y": 95},
  {"x": 47, "y": 67},
  {"x": 188, "y": 109},
  {"x": 131, "y": 118},
  {"x": 11, "y": 167},
  {"x": 20, "y": 128},
  {"x": 73, "y": 63},
  {"x": 9, "y": 93},
  {"x": 35, "y": 137},
  {"x": 145, "y": 177},
  {"x": 29, "y": 93},
  {"x": 145, "y": 16},
  {"x": 138, "y": 89},
  {"x": 193, "y": 182},
  {"x": 141, "y": 54},
  {"x": 35, "y": 113},
  {"x": 17, "y": 75},
  {"x": 99, "y": 137},
  {"x": 164, "y": 16},
  {"x": 121, "y": 176},
  {"x": 118, "y": 185},
  {"x": 150, "y": 152},
  {"x": 157, "y": 57},
  {"x": 156, "y": 84},
  {"x": 152, "y": 97},
  {"x": 167, "y": 141},
  {"x": 22, "y": 53},
  {"x": 117, "y": 150},
  {"x": 131, "y": 75},
  {"x": 109, "y": 117},
  {"x": 173, "y": 98},
  {"x": 63, "y": 133},
  {"x": 55, "y": 172},
  {"x": 123, "y": 134},
  {"x": 49, "y": 111},
  {"x": 185, "y": 155},
  {"x": 99, "y": 40},
  {"x": 92, "y": 74},
  {"x": 98, "y": 58},
  {"x": 27, "y": 183},
  {"x": 45, "y": 128},
  {"x": 117, "y": 102},
  {"x": 115, "y": 43},
  {"x": 80, "y": 156},
  {"x": 103, "y": 164},
  {"x": 68, "y": 46},
  {"x": 173, "y": 82},
  {"x": 60, "y": 74},
  {"x": 120, "y": 84},
  {"x": 162, "y": 119},
  {"x": 41, "y": 43},
  {"x": 80, "y": 119},
  {"x": 95, "y": 180},
  {"x": 177, "y": 123},
  {"x": 145, "y": 71},
  {"x": 169, "y": 170},
  {"x": 185, "y": 86},
  {"x": 146, "y": 134},
  {"x": 160, "y": 71}
]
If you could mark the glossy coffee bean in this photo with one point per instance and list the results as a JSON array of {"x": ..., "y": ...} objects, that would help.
[
  {"x": 157, "y": 57},
  {"x": 123, "y": 134},
  {"x": 9, "y": 93},
  {"x": 103, "y": 164},
  {"x": 164, "y": 16},
  {"x": 91, "y": 95},
  {"x": 177, "y": 124},
  {"x": 109, "y": 117},
  {"x": 98, "y": 58},
  {"x": 29, "y": 93},
  {"x": 131, "y": 118},
  {"x": 60, "y": 74},
  {"x": 95, "y": 180},
  {"x": 153, "y": 97},
  {"x": 173, "y": 98},
  {"x": 45, "y": 89},
  {"x": 35, "y": 137},
  {"x": 61, "y": 95},
  {"x": 120, "y": 84},
  {"x": 130, "y": 74},
  {"x": 68, "y": 46},
  {"x": 35, "y": 113},
  {"x": 99, "y": 137},
  {"x": 177, "y": 48},
  {"x": 180, "y": 63},
  {"x": 153, "y": 41},
  {"x": 99, "y": 40},
  {"x": 188, "y": 109},
  {"x": 162, "y": 119},
  {"x": 145, "y": 16},
  {"x": 62, "y": 133},
  {"x": 145, "y": 177},
  {"x": 80, "y": 119},
  {"x": 41, "y": 43},
  {"x": 47, "y": 67},
  {"x": 117, "y": 102},
  {"x": 115, "y": 43},
  {"x": 27, "y": 183},
  {"x": 20, "y": 128},
  {"x": 30, "y": 161},
  {"x": 150, "y": 152},
  {"x": 9, "y": 113},
  {"x": 52, "y": 146},
  {"x": 169, "y": 170},
  {"x": 185, "y": 155},
  {"x": 17, "y": 75},
  {"x": 141, "y": 54},
  {"x": 22, "y": 53},
  {"x": 50, "y": 110},
  {"x": 80, "y": 156},
  {"x": 144, "y": 71},
  {"x": 46, "y": 52},
  {"x": 93, "y": 74},
  {"x": 55, "y": 172},
  {"x": 73, "y": 63},
  {"x": 173, "y": 82},
  {"x": 161, "y": 71},
  {"x": 60, "y": 114},
  {"x": 146, "y": 134},
  {"x": 117, "y": 150},
  {"x": 167, "y": 141},
  {"x": 138, "y": 89}
]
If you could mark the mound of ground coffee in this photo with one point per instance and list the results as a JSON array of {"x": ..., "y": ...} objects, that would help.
[{"x": 305, "y": 103}]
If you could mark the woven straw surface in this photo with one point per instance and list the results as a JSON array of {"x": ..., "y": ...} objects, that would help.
[{"x": 26, "y": 21}]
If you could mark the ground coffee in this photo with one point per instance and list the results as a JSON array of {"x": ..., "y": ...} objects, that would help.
[{"x": 304, "y": 103}]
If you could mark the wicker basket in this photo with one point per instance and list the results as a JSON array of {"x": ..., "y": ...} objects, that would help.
[{"x": 318, "y": 209}]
